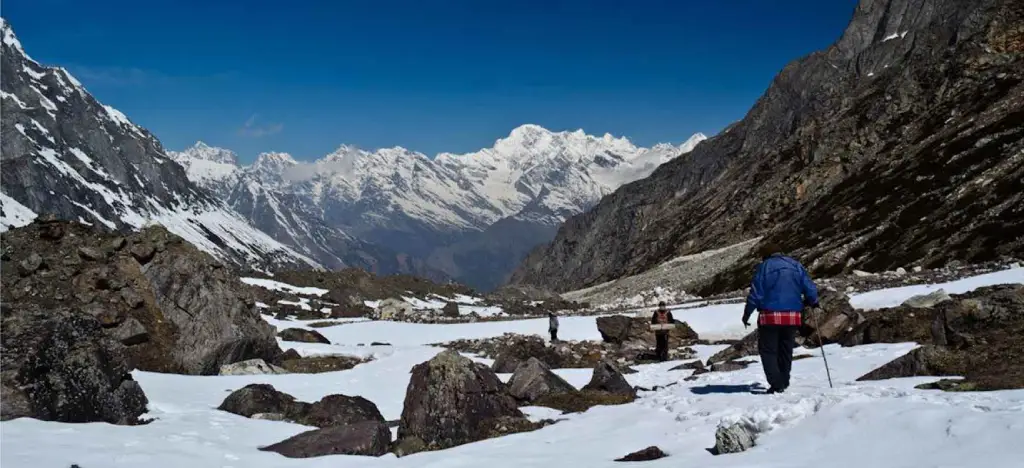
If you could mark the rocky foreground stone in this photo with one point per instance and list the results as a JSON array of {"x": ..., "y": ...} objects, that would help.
[
  {"x": 174, "y": 308},
  {"x": 57, "y": 364},
  {"x": 452, "y": 401}
]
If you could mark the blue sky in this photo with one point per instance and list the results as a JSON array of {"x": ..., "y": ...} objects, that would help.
[{"x": 441, "y": 75}]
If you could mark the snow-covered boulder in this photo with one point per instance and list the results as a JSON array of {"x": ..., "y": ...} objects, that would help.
[
  {"x": 733, "y": 438},
  {"x": 393, "y": 309},
  {"x": 924, "y": 301},
  {"x": 251, "y": 367}
]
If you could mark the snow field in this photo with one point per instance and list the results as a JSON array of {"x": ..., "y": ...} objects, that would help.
[{"x": 884, "y": 423}]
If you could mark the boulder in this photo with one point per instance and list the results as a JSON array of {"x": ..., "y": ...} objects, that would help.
[
  {"x": 521, "y": 348},
  {"x": 320, "y": 364},
  {"x": 370, "y": 438},
  {"x": 341, "y": 410},
  {"x": 647, "y": 454},
  {"x": 928, "y": 360},
  {"x": 896, "y": 325},
  {"x": 303, "y": 335},
  {"x": 251, "y": 367},
  {"x": 620, "y": 329},
  {"x": 59, "y": 365},
  {"x": 262, "y": 398},
  {"x": 745, "y": 347},
  {"x": 829, "y": 325},
  {"x": 607, "y": 378},
  {"x": 614, "y": 329},
  {"x": 733, "y": 438},
  {"x": 451, "y": 401},
  {"x": 393, "y": 309},
  {"x": 533, "y": 379},
  {"x": 351, "y": 311},
  {"x": 450, "y": 309},
  {"x": 925, "y": 301}
]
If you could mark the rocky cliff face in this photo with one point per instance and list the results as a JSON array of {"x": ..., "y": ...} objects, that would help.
[
  {"x": 901, "y": 144},
  {"x": 66, "y": 154}
]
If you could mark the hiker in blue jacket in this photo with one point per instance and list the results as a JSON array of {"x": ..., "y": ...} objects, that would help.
[{"x": 780, "y": 290}]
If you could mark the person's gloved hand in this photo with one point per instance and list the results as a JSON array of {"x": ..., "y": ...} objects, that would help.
[{"x": 746, "y": 322}]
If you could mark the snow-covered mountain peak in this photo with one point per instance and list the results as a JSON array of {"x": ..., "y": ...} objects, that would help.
[
  {"x": 274, "y": 161},
  {"x": 205, "y": 152},
  {"x": 10, "y": 39},
  {"x": 692, "y": 142}
]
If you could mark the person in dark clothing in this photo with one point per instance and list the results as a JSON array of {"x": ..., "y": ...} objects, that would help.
[
  {"x": 553, "y": 326},
  {"x": 781, "y": 288},
  {"x": 661, "y": 316}
]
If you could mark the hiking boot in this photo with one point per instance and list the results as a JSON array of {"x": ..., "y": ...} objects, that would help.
[{"x": 773, "y": 390}]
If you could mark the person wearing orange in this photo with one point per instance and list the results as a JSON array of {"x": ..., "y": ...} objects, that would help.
[{"x": 661, "y": 316}]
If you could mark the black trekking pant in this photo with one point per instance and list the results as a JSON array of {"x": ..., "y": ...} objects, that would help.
[
  {"x": 661, "y": 346},
  {"x": 775, "y": 344},
  {"x": 554, "y": 334}
]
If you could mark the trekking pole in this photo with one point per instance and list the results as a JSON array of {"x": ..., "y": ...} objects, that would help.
[{"x": 821, "y": 346}]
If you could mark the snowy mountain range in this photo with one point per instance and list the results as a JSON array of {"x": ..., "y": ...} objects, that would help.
[
  {"x": 66, "y": 154},
  {"x": 471, "y": 217}
]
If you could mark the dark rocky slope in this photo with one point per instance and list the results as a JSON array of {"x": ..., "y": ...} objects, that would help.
[{"x": 901, "y": 144}]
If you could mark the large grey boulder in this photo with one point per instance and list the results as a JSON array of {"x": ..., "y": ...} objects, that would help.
[
  {"x": 340, "y": 410},
  {"x": 177, "y": 310},
  {"x": 371, "y": 438},
  {"x": 607, "y": 378},
  {"x": 262, "y": 399},
  {"x": 59, "y": 365},
  {"x": 451, "y": 401},
  {"x": 533, "y": 379}
]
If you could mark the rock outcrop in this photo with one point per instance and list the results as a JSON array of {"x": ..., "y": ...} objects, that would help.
[
  {"x": 533, "y": 379},
  {"x": 452, "y": 401},
  {"x": 175, "y": 308},
  {"x": 57, "y": 364},
  {"x": 978, "y": 335},
  {"x": 897, "y": 146}
]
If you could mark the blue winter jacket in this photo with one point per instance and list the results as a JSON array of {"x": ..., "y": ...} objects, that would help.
[{"x": 780, "y": 284}]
